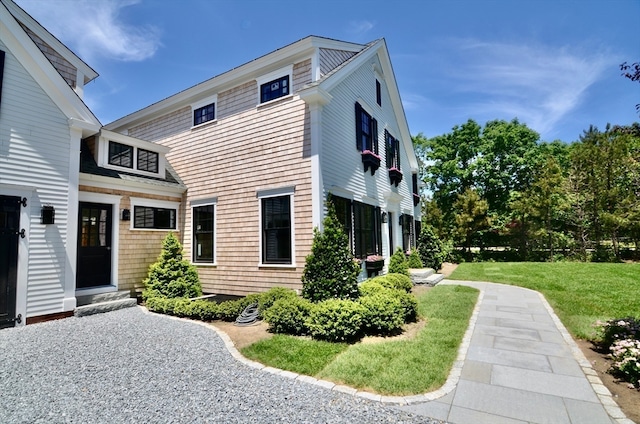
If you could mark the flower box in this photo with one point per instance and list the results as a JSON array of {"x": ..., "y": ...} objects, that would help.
[
  {"x": 395, "y": 176},
  {"x": 371, "y": 161},
  {"x": 373, "y": 264}
]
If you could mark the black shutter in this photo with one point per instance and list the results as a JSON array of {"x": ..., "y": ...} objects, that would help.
[
  {"x": 397, "y": 145},
  {"x": 1, "y": 72},
  {"x": 387, "y": 148},
  {"x": 358, "y": 127},
  {"x": 374, "y": 135}
]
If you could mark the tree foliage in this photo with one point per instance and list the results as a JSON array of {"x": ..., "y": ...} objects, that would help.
[{"x": 500, "y": 186}]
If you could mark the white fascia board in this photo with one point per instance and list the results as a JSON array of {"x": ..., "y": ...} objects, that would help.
[
  {"x": 100, "y": 181},
  {"x": 253, "y": 70},
  {"x": 132, "y": 141},
  {"x": 89, "y": 73},
  {"x": 43, "y": 72}
]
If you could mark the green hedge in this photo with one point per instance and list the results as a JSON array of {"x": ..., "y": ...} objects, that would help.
[
  {"x": 289, "y": 316},
  {"x": 336, "y": 320}
]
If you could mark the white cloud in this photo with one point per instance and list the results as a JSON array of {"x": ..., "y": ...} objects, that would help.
[
  {"x": 540, "y": 85},
  {"x": 94, "y": 29},
  {"x": 360, "y": 27}
]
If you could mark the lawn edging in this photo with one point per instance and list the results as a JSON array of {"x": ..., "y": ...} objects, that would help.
[{"x": 446, "y": 388}]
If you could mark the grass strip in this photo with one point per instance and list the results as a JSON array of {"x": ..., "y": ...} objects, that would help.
[
  {"x": 580, "y": 293},
  {"x": 297, "y": 354},
  {"x": 397, "y": 368}
]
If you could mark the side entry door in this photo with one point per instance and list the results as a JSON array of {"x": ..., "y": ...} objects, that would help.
[
  {"x": 94, "y": 245},
  {"x": 9, "y": 237}
]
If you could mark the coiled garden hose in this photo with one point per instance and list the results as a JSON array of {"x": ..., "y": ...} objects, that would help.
[{"x": 249, "y": 315}]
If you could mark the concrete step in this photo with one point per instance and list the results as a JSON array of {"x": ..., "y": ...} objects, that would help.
[
  {"x": 434, "y": 279},
  {"x": 102, "y": 297},
  {"x": 108, "y": 306},
  {"x": 425, "y": 276}
]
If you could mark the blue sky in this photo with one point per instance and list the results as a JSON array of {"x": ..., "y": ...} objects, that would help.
[{"x": 553, "y": 64}]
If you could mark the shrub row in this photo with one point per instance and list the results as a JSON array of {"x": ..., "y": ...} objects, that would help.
[{"x": 384, "y": 305}]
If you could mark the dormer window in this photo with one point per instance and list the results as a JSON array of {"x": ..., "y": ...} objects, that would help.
[
  {"x": 120, "y": 154},
  {"x": 148, "y": 161}
]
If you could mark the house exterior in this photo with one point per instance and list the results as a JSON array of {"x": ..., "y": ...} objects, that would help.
[
  {"x": 261, "y": 147},
  {"x": 62, "y": 199}
]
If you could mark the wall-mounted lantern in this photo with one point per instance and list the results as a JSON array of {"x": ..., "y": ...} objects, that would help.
[
  {"x": 47, "y": 215},
  {"x": 125, "y": 215},
  {"x": 384, "y": 217}
]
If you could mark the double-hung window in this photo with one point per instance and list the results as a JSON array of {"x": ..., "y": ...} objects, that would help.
[
  {"x": 408, "y": 232},
  {"x": 277, "y": 227},
  {"x": 392, "y": 150},
  {"x": 366, "y": 131},
  {"x": 203, "y": 217}
]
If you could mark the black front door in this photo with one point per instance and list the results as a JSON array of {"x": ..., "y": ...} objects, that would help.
[
  {"x": 94, "y": 245},
  {"x": 9, "y": 234}
]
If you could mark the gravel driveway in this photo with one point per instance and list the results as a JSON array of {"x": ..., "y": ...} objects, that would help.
[{"x": 130, "y": 366}]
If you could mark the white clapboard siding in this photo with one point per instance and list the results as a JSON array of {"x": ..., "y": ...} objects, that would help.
[
  {"x": 341, "y": 161},
  {"x": 35, "y": 152}
]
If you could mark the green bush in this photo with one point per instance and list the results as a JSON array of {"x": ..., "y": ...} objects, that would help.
[
  {"x": 399, "y": 281},
  {"x": 330, "y": 270},
  {"x": 336, "y": 320},
  {"x": 230, "y": 309},
  {"x": 414, "y": 260},
  {"x": 268, "y": 298},
  {"x": 383, "y": 313},
  {"x": 204, "y": 310},
  {"x": 398, "y": 263},
  {"x": 171, "y": 276},
  {"x": 409, "y": 305},
  {"x": 289, "y": 316},
  {"x": 430, "y": 248},
  {"x": 183, "y": 308},
  {"x": 371, "y": 286}
]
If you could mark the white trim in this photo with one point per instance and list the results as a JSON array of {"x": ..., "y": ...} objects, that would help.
[
  {"x": 99, "y": 181},
  {"x": 197, "y": 204},
  {"x": 114, "y": 201},
  {"x": 102, "y": 154},
  {"x": 151, "y": 203},
  {"x": 270, "y": 193},
  {"x": 22, "y": 280}
]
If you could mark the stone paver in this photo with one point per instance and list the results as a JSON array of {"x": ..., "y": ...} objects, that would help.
[{"x": 520, "y": 366}]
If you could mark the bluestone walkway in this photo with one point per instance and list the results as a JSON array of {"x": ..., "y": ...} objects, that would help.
[{"x": 519, "y": 364}]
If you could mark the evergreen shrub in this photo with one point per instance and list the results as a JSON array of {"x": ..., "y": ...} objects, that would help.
[
  {"x": 289, "y": 316},
  {"x": 330, "y": 270},
  {"x": 398, "y": 281},
  {"x": 336, "y": 320},
  {"x": 398, "y": 263},
  {"x": 268, "y": 298},
  {"x": 171, "y": 276},
  {"x": 430, "y": 248},
  {"x": 414, "y": 261},
  {"x": 383, "y": 313}
]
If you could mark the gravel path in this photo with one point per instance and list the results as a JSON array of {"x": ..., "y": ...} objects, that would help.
[{"x": 129, "y": 366}]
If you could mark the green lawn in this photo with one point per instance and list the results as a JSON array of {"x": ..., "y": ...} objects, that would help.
[
  {"x": 404, "y": 367},
  {"x": 580, "y": 293}
]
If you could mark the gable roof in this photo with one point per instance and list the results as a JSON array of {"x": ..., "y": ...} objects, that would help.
[
  {"x": 40, "y": 68},
  {"x": 320, "y": 88},
  {"x": 251, "y": 70}
]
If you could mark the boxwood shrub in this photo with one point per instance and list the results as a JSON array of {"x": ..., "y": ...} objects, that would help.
[
  {"x": 336, "y": 320},
  {"x": 383, "y": 313},
  {"x": 269, "y": 298},
  {"x": 289, "y": 315}
]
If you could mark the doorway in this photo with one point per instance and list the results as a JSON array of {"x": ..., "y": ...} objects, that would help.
[
  {"x": 9, "y": 239},
  {"x": 94, "y": 245}
]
